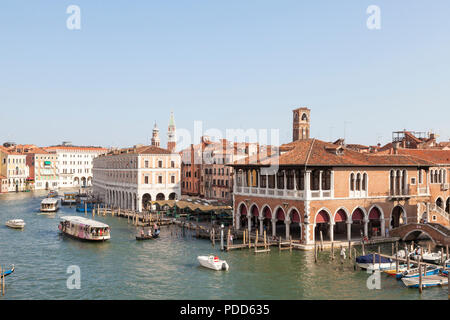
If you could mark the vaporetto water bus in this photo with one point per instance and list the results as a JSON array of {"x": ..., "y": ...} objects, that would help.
[
  {"x": 83, "y": 228},
  {"x": 49, "y": 205}
]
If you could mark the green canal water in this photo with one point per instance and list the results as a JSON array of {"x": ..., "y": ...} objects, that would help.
[{"x": 167, "y": 268}]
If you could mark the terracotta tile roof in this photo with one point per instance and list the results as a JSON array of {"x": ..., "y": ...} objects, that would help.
[
  {"x": 313, "y": 152},
  {"x": 81, "y": 148},
  {"x": 439, "y": 157},
  {"x": 140, "y": 150}
]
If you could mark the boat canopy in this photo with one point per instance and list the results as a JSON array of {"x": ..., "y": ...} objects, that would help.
[
  {"x": 49, "y": 201},
  {"x": 84, "y": 221},
  {"x": 369, "y": 259}
]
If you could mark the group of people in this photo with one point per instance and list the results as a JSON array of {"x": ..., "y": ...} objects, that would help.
[{"x": 150, "y": 233}]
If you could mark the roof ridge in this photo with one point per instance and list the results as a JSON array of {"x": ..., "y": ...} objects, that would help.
[{"x": 309, "y": 152}]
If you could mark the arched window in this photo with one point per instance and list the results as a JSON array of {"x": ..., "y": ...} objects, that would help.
[
  {"x": 364, "y": 182},
  {"x": 392, "y": 182},
  {"x": 358, "y": 182},
  {"x": 326, "y": 180},
  {"x": 352, "y": 182}
]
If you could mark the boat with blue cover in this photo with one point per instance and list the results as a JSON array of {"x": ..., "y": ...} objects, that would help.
[
  {"x": 381, "y": 263},
  {"x": 7, "y": 272}
]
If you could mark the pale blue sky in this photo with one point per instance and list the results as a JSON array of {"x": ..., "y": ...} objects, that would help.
[{"x": 232, "y": 64}]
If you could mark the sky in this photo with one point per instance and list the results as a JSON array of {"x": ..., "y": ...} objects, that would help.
[{"x": 235, "y": 64}]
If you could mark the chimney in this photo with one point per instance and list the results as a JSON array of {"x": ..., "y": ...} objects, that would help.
[{"x": 395, "y": 147}]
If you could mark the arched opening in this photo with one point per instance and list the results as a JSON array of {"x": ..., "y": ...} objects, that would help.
[
  {"x": 322, "y": 225},
  {"x": 340, "y": 225},
  {"x": 447, "y": 205},
  {"x": 146, "y": 201},
  {"x": 160, "y": 197},
  {"x": 375, "y": 222},
  {"x": 440, "y": 203},
  {"x": 46, "y": 185},
  {"x": 83, "y": 181},
  {"x": 76, "y": 181},
  {"x": 254, "y": 217},
  {"x": 267, "y": 222},
  {"x": 357, "y": 223},
  {"x": 280, "y": 226},
  {"x": 295, "y": 227},
  {"x": 89, "y": 181},
  {"x": 173, "y": 196},
  {"x": 397, "y": 217},
  {"x": 243, "y": 216}
]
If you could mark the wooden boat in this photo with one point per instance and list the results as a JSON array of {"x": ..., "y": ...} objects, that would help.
[
  {"x": 151, "y": 236},
  {"x": 52, "y": 194},
  {"x": 428, "y": 281},
  {"x": 7, "y": 272},
  {"x": 381, "y": 263},
  {"x": 69, "y": 198},
  {"x": 213, "y": 262},
  {"x": 401, "y": 268},
  {"x": 85, "y": 229},
  {"x": 433, "y": 257},
  {"x": 15, "y": 223},
  {"x": 413, "y": 273},
  {"x": 49, "y": 205}
]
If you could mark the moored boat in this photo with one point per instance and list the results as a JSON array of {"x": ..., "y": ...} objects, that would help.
[
  {"x": 398, "y": 275},
  {"x": 49, "y": 205},
  {"x": 83, "y": 228},
  {"x": 85, "y": 206},
  {"x": 52, "y": 194},
  {"x": 15, "y": 223},
  {"x": 413, "y": 273},
  {"x": 213, "y": 262},
  {"x": 69, "y": 198},
  {"x": 7, "y": 272},
  {"x": 428, "y": 281},
  {"x": 381, "y": 263}
]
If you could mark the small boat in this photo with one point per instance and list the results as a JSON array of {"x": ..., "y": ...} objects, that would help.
[
  {"x": 15, "y": 223},
  {"x": 428, "y": 281},
  {"x": 433, "y": 257},
  {"x": 85, "y": 229},
  {"x": 85, "y": 206},
  {"x": 413, "y": 273},
  {"x": 381, "y": 263},
  {"x": 7, "y": 272},
  {"x": 398, "y": 275},
  {"x": 213, "y": 262},
  {"x": 142, "y": 236},
  {"x": 52, "y": 194},
  {"x": 69, "y": 198},
  {"x": 49, "y": 205}
]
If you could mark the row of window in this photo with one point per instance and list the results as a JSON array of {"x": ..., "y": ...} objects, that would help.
[
  {"x": 358, "y": 181},
  {"x": 220, "y": 171},
  {"x": 159, "y": 179},
  {"x": 438, "y": 176}
]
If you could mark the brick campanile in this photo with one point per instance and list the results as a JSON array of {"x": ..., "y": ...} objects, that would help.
[
  {"x": 171, "y": 134},
  {"x": 301, "y": 123}
]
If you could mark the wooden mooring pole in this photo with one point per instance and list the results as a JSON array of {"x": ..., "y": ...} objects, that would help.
[
  {"x": 321, "y": 241},
  {"x": 332, "y": 250},
  {"x": 420, "y": 277}
]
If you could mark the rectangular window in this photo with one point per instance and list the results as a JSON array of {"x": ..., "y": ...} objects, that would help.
[
  {"x": 160, "y": 179},
  {"x": 146, "y": 179},
  {"x": 172, "y": 179},
  {"x": 160, "y": 164},
  {"x": 146, "y": 163}
]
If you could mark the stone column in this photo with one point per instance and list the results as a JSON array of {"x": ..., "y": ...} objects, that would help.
[
  {"x": 349, "y": 230},
  {"x": 331, "y": 231},
  {"x": 332, "y": 183},
  {"x": 395, "y": 183},
  {"x": 307, "y": 184},
  {"x": 238, "y": 221},
  {"x": 139, "y": 203},
  {"x": 288, "y": 230},
  {"x": 261, "y": 227},
  {"x": 274, "y": 227},
  {"x": 295, "y": 180},
  {"x": 383, "y": 227},
  {"x": 366, "y": 226},
  {"x": 285, "y": 182}
]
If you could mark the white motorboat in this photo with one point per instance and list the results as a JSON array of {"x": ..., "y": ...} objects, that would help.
[
  {"x": 15, "y": 223},
  {"x": 433, "y": 257},
  {"x": 49, "y": 205},
  {"x": 213, "y": 262}
]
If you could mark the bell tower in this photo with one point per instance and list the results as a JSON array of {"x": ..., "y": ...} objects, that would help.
[
  {"x": 155, "y": 136},
  {"x": 301, "y": 123},
  {"x": 171, "y": 134}
]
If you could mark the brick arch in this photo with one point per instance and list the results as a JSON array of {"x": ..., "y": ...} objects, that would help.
[
  {"x": 266, "y": 212},
  {"x": 440, "y": 201},
  {"x": 279, "y": 214},
  {"x": 254, "y": 209},
  {"x": 341, "y": 215},
  {"x": 358, "y": 214},
  {"x": 373, "y": 212},
  {"x": 323, "y": 216},
  {"x": 294, "y": 215},
  {"x": 242, "y": 209}
]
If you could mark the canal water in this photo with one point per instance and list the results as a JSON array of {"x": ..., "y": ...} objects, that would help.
[{"x": 167, "y": 268}]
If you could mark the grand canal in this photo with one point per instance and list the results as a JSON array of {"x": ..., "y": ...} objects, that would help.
[{"x": 166, "y": 268}]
